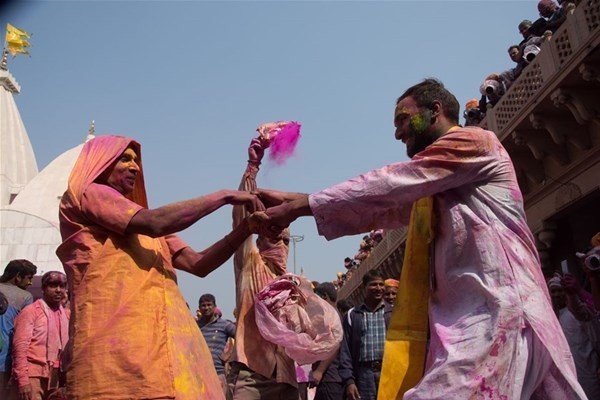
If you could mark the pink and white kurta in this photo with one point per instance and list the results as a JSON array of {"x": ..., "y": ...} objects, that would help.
[{"x": 493, "y": 332}]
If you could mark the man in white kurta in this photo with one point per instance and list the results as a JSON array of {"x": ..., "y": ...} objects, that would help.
[{"x": 493, "y": 332}]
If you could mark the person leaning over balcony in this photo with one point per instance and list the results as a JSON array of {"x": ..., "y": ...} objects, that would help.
[{"x": 469, "y": 249}]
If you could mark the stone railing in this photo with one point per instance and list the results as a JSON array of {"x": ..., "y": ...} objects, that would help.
[
  {"x": 577, "y": 37},
  {"x": 391, "y": 242}
]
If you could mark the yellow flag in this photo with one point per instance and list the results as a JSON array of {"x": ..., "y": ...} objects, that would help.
[
  {"x": 16, "y": 31},
  {"x": 13, "y": 50},
  {"x": 15, "y": 40}
]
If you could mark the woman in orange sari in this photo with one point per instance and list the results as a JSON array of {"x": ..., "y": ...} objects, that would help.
[{"x": 132, "y": 335}]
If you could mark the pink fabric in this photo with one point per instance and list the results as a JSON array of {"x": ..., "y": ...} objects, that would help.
[
  {"x": 290, "y": 314},
  {"x": 487, "y": 284},
  {"x": 37, "y": 340}
]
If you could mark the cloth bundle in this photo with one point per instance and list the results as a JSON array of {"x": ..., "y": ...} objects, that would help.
[{"x": 290, "y": 314}]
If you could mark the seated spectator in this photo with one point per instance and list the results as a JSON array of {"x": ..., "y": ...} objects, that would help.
[
  {"x": 377, "y": 235},
  {"x": 530, "y": 29},
  {"x": 554, "y": 14},
  {"x": 531, "y": 34},
  {"x": 509, "y": 76},
  {"x": 473, "y": 115},
  {"x": 41, "y": 334},
  {"x": 349, "y": 263},
  {"x": 493, "y": 88}
]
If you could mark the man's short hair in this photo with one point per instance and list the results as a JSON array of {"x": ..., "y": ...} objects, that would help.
[
  {"x": 19, "y": 267},
  {"x": 430, "y": 90},
  {"x": 207, "y": 297},
  {"x": 46, "y": 278},
  {"x": 514, "y": 46},
  {"x": 371, "y": 276},
  {"x": 328, "y": 289}
]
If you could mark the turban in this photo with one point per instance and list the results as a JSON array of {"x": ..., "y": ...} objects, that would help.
[
  {"x": 473, "y": 103},
  {"x": 391, "y": 283},
  {"x": 554, "y": 282}
]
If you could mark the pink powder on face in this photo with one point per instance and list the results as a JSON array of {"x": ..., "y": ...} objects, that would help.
[{"x": 284, "y": 144}]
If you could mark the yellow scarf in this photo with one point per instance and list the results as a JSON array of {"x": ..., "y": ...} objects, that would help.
[{"x": 406, "y": 339}]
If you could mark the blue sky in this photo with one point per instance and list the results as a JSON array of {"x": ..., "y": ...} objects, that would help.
[{"x": 191, "y": 80}]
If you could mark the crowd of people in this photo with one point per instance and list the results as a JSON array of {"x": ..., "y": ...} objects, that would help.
[
  {"x": 470, "y": 316},
  {"x": 367, "y": 244},
  {"x": 494, "y": 86}
]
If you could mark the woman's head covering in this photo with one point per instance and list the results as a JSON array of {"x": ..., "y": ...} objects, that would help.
[{"x": 97, "y": 156}]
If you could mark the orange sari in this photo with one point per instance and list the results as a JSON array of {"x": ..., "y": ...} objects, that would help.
[{"x": 132, "y": 335}]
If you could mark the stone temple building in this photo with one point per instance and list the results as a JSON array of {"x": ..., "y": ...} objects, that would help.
[{"x": 29, "y": 198}]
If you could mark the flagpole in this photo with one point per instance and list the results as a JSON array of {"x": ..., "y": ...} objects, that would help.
[{"x": 3, "y": 66}]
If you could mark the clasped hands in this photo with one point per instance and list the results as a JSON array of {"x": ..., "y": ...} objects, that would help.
[{"x": 277, "y": 213}]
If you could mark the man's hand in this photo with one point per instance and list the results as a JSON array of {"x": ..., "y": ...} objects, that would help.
[
  {"x": 352, "y": 392},
  {"x": 250, "y": 199},
  {"x": 280, "y": 217},
  {"x": 257, "y": 222},
  {"x": 570, "y": 284},
  {"x": 272, "y": 198},
  {"x": 25, "y": 392},
  {"x": 256, "y": 150}
]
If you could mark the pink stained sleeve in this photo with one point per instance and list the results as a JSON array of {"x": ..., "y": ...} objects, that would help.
[
  {"x": 383, "y": 198},
  {"x": 24, "y": 323},
  {"x": 108, "y": 208}
]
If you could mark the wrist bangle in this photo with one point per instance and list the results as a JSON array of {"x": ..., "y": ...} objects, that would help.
[{"x": 257, "y": 163}]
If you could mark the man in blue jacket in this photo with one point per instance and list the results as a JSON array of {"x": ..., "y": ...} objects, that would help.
[{"x": 361, "y": 352}]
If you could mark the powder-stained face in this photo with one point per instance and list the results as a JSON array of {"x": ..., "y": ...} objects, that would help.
[
  {"x": 390, "y": 294},
  {"x": 124, "y": 172},
  {"x": 55, "y": 289},
  {"x": 413, "y": 126}
]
